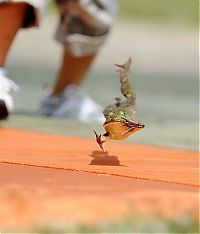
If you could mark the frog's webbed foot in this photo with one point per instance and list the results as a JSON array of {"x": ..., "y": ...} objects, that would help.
[
  {"x": 124, "y": 69},
  {"x": 100, "y": 141}
]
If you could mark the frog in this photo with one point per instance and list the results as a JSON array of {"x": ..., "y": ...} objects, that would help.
[{"x": 120, "y": 122}]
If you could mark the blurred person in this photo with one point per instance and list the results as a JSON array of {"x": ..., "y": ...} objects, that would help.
[{"x": 83, "y": 27}]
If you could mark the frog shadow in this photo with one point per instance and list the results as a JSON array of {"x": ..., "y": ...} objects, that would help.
[{"x": 104, "y": 159}]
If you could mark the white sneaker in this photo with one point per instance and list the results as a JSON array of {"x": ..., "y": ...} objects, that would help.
[
  {"x": 72, "y": 104},
  {"x": 6, "y": 102}
]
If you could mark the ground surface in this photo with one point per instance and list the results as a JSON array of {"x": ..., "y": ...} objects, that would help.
[{"x": 50, "y": 174}]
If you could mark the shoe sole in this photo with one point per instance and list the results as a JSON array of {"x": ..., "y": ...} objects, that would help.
[{"x": 3, "y": 110}]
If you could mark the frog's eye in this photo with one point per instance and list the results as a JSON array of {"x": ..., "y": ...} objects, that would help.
[
  {"x": 110, "y": 115},
  {"x": 120, "y": 115}
]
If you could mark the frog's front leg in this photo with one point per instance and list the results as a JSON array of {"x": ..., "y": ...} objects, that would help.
[
  {"x": 101, "y": 139},
  {"x": 118, "y": 101}
]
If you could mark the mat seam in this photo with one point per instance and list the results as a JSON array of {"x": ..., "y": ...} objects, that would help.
[{"x": 98, "y": 173}]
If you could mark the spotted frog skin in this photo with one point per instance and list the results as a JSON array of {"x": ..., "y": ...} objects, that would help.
[{"x": 120, "y": 117}]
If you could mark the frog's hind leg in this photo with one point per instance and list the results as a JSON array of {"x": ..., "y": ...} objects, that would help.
[
  {"x": 124, "y": 68},
  {"x": 126, "y": 86}
]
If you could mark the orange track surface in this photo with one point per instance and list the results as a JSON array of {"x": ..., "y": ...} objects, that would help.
[{"x": 69, "y": 177}]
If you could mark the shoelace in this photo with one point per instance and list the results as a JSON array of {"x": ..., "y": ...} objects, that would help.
[{"x": 7, "y": 84}]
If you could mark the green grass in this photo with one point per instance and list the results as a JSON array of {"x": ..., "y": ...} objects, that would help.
[
  {"x": 128, "y": 225},
  {"x": 182, "y": 11}
]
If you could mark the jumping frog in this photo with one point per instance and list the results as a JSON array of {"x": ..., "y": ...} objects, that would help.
[{"x": 120, "y": 117}]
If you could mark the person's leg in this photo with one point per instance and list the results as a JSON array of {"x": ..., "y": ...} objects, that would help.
[
  {"x": 11, "y": 19},
  {"x": 81, "y": 39},
  {"x": 72, "y": 71}
]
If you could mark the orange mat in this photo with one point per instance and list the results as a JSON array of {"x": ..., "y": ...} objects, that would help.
[
  {"x": 79, "y": 154},
  {"x": 68, "y": 178}
]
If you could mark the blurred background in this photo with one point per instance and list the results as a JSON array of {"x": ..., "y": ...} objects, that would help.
[{"x": 162, "y": 39}]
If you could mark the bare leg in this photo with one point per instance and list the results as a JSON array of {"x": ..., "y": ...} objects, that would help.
[
  {"x": 11, "y": 18},
  {"x": 72, "y": 71}
]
